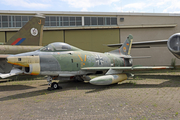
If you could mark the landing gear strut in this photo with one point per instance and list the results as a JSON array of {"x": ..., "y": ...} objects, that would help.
[
  {"x": 49, "y": 80},
  {"x": 53, "y": 85}
]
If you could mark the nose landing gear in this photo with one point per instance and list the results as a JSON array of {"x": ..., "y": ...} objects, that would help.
[{"x": 54, "y": 85}]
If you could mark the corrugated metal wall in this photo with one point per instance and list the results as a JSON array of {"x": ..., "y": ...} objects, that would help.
[
  {"x": 93, "y": 40},
  {"x": 2, "y": 37}
]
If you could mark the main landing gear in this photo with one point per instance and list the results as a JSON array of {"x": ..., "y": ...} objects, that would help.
[{"x": 54, "y": 85}]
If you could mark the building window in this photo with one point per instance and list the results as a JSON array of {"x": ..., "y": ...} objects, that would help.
[
  {"x": 100, "y": 21},
  {"x": 78, "y": 21},
  {"x": 107, "y": 21},
  {"x": 18, "y": 21},
  {"x": 57, "y": 21},
  {"x": 53, "y": 21},
  {"x": 88, "y": 21},
  {"x": 93, "y": 20},
  {"x": 11, "y": 21},
  {"x": 72, "y": 21},
  {"x": 47, "y": 21},
  {"x": 4, "y": 21},
  {"x": 65, "y": 21},
  {"x": 25, "y": 19},
  {"x": 14, "y": 21},
  {"x": 113, "y": 21}
]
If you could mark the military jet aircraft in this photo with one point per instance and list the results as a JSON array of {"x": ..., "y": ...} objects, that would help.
[
  {"x": 61, "y": 61},
  {"x": 28, "y": 38},
  {"x": 173, "y": 44}
]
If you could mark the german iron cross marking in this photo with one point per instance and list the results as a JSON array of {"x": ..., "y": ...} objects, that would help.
[{"x": 99, "y": 60}]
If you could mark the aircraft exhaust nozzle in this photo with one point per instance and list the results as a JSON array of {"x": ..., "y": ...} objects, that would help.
[
  {"x": 174, "y": 44},
  {"x": 108, "y": 79}
]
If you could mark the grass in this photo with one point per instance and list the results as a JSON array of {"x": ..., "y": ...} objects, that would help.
[
  {"x": 173, "y": 62},
  {"x": 176, "y": 114},
  {"x": 144, "y": 118},
  {"x": 130, "y": 82},
  {"x": 76, "y": 88},
  {"x": 36, "y": 101},
  {"x": 155, "y": 105}
]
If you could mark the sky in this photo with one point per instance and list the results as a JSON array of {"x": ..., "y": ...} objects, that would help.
[{"x": 142, "y": 6}]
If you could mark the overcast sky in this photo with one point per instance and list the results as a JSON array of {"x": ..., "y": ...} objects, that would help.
[{"x": 150, "y": 6}]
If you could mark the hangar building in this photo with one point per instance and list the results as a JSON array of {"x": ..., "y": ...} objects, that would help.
[{"x": 94, "y": 30}]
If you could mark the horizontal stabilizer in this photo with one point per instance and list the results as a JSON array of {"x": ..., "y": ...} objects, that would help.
[
  {"x": 140, "y": 57},
  {"x": 13, "y": 72},
  {"x": 135, "y": 57},
  {"x": 145, "y": 44}
]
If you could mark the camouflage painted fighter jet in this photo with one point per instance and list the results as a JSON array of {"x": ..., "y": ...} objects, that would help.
[
  {"x": 173, "y": 44},
  {"x": 61, "y": 61},
  {"x": 28, "y": 38}
]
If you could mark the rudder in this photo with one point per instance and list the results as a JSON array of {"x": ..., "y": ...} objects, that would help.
[
  {"x": 30, "y": 34},
  {"x": 126, "y": 47}
]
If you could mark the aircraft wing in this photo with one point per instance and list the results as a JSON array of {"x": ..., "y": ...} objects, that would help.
[
  {"x": 146, "y": 44},
  {"x": 14, "y": 71},
  {"x": 117, "y": 70}
]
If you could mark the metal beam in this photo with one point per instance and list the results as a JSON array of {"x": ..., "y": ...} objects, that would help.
[{"x": 101, "y": 27}]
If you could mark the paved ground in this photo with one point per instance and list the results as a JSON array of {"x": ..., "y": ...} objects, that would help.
[{"x": 148, "y": 96}]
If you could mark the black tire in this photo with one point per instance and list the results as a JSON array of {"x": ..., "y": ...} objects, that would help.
[{"x": 54, "y": 85}]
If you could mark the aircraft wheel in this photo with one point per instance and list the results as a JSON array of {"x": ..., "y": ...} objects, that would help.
[{"x": 54, "y": 85}]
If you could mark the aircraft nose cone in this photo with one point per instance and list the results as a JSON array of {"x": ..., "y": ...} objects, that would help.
[{"x": 18, "y": 60}]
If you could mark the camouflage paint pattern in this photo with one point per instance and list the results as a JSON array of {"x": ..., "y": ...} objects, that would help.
[
  {"x": 61, "y": 58},
  {"x": 60, "y": 62}
]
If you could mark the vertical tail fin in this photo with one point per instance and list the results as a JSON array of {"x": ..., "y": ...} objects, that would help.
[
  {"x": 30, "y": 34},
  {"x": 126, "y": 47}
]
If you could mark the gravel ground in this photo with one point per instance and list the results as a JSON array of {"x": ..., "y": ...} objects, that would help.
[{"x": 150, "y": 96}]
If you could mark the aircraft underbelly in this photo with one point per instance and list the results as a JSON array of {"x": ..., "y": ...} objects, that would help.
[{"x": 65, "y": 73}]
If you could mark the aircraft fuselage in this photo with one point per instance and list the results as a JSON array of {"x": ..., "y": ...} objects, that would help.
[{"x": 66, "y": 63}]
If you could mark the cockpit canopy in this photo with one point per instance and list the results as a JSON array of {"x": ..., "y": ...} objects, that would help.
[{"x": 58, "y": 46}]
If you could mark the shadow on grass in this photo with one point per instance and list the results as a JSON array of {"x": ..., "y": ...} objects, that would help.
[
  {"x": 14, "y": 87},
  {"x": 170, "y": 81}
]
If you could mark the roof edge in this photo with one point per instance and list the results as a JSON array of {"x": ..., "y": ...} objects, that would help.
[{"x": 85, "y": 13}]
